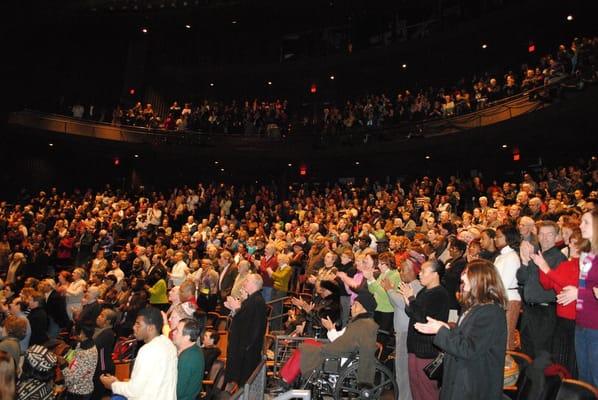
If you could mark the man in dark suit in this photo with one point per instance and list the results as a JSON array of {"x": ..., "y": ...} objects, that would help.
[
  {"x": 55, "y": 308},
  {"x": 38, "y": 318},
  {"x": 91, "y": 308},
  {"x": 246, "y": 335},
  {"x": 228, "y": 274},
  {"x": 104, "y": 340}
]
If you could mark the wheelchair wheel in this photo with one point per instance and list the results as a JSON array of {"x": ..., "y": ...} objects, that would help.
[{"x": 347, "y": 388}]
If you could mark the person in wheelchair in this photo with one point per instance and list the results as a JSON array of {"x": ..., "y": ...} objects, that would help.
[
  {"x": 358, "y": 337},
  {"x": 307, "y": 320}
]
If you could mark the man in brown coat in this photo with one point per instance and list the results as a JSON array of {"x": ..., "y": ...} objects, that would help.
[{"x": 359, "y": 336}]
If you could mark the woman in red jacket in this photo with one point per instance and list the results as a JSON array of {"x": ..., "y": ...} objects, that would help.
[{"x": 565, "y": 274}]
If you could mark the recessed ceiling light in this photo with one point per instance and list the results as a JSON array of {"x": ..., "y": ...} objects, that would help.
[
  {"x": 212, "y": 84},
  {"x": 188, "y": 26},
  {"x": 356, "y": 162},
  {"x": 234, "y": 21},
  {"x": 215, "y": 162},
  {"x": 269, "y": 82},
  {"x": 331, "y": 77},
  {"x": 427, "y": 157},
  {"x": 484, "y": 46},
  {"x": 144, "y": 30},
  {"x": 222, "y": 169},
  {"x": 569, "y": 17},
  {"x": 136, "y": 156},
  {"x": 504, "y": 146},
  {"x": 51, "y": 144},
  {"x": 290, "y": 165}
]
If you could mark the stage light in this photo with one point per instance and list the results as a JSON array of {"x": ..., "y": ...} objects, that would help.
[
  {"x": 404, "y": 66},
  {"x": 270, "y": 83},
  {"x": 144, "y": 30},
  {"x": 136, "y": 156},
  {"x": 331, "y": 77},
  {"x": 569, "y": 17},
  {"x": 290, "y": 165},
  {"x": 504, "y": 146},
  {"x": 313, "y": 88},
  {"x": 212, "y": 84},
  {"x": 188, "y": 26},
  {"x": 428, "y": 157},
  {"x": 51, "y": 144},
  {"x": 484, "y": 46},
  {"x": 356, "y": 162}
]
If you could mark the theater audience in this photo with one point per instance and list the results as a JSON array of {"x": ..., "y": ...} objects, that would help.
[{"x": 241, "y": 228}]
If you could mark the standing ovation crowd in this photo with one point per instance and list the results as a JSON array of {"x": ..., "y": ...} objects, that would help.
[{"x": 446, "y": 266}]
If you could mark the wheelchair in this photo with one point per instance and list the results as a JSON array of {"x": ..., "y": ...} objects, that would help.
[{"x": 337, "y": 378}]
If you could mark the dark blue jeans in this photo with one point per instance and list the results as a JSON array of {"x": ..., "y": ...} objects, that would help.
[{"x": 586, "y": 349}]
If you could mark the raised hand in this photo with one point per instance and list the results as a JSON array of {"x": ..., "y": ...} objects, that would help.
[{"x": 431, "y": 327}]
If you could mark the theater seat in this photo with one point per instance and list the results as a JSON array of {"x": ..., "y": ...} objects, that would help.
[{"x": 572, "y": 389}]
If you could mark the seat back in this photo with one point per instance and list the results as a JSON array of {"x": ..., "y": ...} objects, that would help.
[
  {"x": 223, "y": 344},
  {"x": 572, "y": 389}
]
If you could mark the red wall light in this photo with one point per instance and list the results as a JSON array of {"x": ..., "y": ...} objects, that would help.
[
  {"x": 516, "y": 154},
  {"x": 303, "y": 170},
  {"x": 531, "y": 48},
  {"x": 131, "y": 91},
  {"x": 313, "y": 88}
]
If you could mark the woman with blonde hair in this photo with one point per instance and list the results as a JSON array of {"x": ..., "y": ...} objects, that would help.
[{"x": 474, "y": 359}]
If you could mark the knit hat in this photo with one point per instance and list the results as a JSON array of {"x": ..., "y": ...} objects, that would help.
[
  {"x": 367, "y": 300},
  {"x": 40, "y": 358}
]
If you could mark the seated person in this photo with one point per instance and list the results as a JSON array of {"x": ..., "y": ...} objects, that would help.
[
  {"x": 358, "y": 336},
  {"x": 210, "y": 349},
  {"x": 307, "y": 319}
]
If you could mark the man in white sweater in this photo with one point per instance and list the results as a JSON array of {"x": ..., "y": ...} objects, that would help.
[{"x": 154, "y": 375}]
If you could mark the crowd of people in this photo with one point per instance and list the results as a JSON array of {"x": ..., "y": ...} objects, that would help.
[
  {"x": 272, "y": 118},
  {"x": 443, "y": 265},
  {"x": 381, "y": 110},
  {"x": 247, "y": 117}
]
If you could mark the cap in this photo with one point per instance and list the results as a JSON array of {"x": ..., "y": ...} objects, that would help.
[{"x": 367, "y": 300}]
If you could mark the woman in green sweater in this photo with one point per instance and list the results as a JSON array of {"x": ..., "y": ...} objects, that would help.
[
  {"x": 158, "y": 291},
  {"x": 388, "y": 272}
]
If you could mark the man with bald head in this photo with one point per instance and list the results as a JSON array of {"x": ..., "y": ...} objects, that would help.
[{"x": 247, "y": 331}]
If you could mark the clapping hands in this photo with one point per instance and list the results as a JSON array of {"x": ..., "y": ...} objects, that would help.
[
  {"x": 232, "y": 303},
  {"x": 431, "y": 327}
]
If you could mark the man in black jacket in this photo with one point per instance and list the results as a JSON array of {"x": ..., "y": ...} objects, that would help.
[
  {"x": 38, "y": 318},
  {"x": 104, "y": 339},
  {"x": 246, "y": 335},
  {"x": 55, "y": 308}
]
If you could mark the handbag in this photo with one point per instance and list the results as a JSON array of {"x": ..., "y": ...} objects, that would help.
[{"x": 434, "y": 369}]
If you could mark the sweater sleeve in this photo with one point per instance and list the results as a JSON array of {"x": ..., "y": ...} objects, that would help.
[
  {"x": 563, "y": 275},
  {"x": 142, "y": 371}
]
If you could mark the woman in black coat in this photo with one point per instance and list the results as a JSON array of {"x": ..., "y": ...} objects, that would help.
[{"x": 475, "y": 348}]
